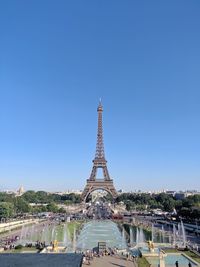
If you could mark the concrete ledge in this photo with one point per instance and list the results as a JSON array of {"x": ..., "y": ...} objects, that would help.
[{"x": 41, "y": 260}]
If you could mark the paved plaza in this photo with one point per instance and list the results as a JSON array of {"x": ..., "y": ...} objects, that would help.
[{"x": 110, "y": 261}]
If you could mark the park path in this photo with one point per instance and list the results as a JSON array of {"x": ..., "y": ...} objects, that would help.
[{"x": 110, "y": 261}]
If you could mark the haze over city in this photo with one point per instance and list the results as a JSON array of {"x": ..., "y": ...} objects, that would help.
[{"x": 56, "y": 61}]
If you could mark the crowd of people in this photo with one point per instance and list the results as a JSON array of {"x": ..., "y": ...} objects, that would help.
[
  {"x": 8, "y": 243},
  {"x": 11, "y": 243},
  {"x": 89, "y": 255}
]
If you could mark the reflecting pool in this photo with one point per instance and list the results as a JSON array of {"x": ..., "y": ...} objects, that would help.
[
  {"x": 170, "y": 260},
  {"x": 96, "y": 231}
]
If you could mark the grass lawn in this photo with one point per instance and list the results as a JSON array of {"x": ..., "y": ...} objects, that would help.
[
  {"x": 21, "y": 250},
  {"x": 72, "y": 225},
  {"x": 142, "y": 262},
  {"x": 171, "y": 250},
  {"x": 192, "y": 255},
  {"x": 188, "y": 253}
]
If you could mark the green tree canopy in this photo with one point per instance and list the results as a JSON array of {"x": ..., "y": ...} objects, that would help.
[
  {"x": 21, "y": 206},
  {"x": 6, "y": 209},
  {"x": 52, "y": 207}
]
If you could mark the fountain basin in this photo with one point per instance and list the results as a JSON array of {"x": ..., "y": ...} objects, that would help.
[
  {"x": 146, "y": 253},
  {"x": 101, "y": 231},
  {"x": 59, "y": 249},
  {"x": 170, "y": 260}
]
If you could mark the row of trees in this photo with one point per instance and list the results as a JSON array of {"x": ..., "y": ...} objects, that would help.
[
  {"x": 44, "y": 197},
  {"x": 10, "y": 205},
  {"x": 188, "y": 207}
]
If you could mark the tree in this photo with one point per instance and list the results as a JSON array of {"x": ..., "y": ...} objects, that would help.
[
  {"x": 43, "y": 197},
  {"x": 128, "y": 205},
  {"x": 6, "y": 210},
  {"x": 195, "y": 199},
  {"x": 21, "y": 206},
  {"x": 166, "y": 201},
  {"x": 29, "y": 196},
  {"x": 4, "y": 197},
  {"x": 196, "y": 214},
  {"x": 74, "y": 198},
  {"x": 153, "y": 204},
  {"x": 62, "y": 210},
  {"x": 178, "y": 204},
  {"x": 52, "y": 207},
  {"x": 38, "y": 209},
  {"x": 169, "y": 204}
]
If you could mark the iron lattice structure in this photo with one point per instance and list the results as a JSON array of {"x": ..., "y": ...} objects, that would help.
[{"x": 99, "y": 162}]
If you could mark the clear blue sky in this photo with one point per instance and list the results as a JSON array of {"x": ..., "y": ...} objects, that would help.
[{"x": 58, "y": 57}]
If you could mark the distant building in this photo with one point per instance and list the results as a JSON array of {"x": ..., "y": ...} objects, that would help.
[
  {"x": 170, "y": 192},
  {"x": 120, "y": 191},
  {"x": 182, "y": 195},
  {"x": 77, "y": 192},
  {"x": 20, "y": 191}
]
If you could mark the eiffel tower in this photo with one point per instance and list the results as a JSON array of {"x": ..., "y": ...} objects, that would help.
[{"x": 99, "y": 162}]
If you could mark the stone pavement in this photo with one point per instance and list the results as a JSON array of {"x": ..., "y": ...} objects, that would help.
[{"x": 110, "y": 261}]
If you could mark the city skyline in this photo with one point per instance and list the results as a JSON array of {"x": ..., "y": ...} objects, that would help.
[
  {"x": 126, "y": 189},
  {"x": 143, "y": 59}
]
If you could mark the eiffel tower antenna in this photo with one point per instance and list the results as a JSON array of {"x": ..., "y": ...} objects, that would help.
[
  {"x": 100, "y": 146},
  {"x": 99, "y": 162}
]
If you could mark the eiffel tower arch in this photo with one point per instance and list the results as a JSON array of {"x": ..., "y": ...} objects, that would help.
[{"x": 99, "y": 162}]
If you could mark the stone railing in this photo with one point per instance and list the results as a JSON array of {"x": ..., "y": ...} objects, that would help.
[{"x": 15, "y": 224}]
